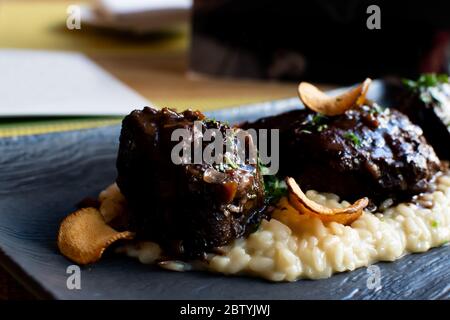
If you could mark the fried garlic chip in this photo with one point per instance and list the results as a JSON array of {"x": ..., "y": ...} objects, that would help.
[
  {"x": 304, "y": 205},
  {"x": 113, "y": 207},
  {"x": 316, "y": 100},
  {"x": 84, "y": 235}
]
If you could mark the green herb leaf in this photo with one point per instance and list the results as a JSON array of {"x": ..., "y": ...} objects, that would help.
[
  {"x": 316, "y": 122},
  {"x": 231, "y": 163},
  {"x": 264, "y": 170},
  {"x": 376, "y": 109},
  {"x": 322, "y": 127},
  {"x": 426, "y": 97},
  {"x": 434, "y": 224},
  {"x": 353, "y": 138},
  {"x": 275, "y": 188},
  {"x": 426, "y": 80},
  {"x": 220, "y": 167},
  {"x": 442, "y": 78},
  {"x": 409, "y": 83},
  {"x": 317, "y": 119}
]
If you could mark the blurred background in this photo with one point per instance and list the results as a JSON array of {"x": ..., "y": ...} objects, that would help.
[
  {"x": 322, "y": 40},
  {"x": 210, "y": 54},
  {"x": 152, "y": 58}
]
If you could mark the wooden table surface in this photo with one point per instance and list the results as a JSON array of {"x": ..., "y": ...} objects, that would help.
[{"x": 154, "y": 65}]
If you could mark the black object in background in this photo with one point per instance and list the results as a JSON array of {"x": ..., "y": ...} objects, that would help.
[{"x": 322, "y": 40}]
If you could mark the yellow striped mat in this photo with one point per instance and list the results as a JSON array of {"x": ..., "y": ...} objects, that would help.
[{"x": 22, "y": 128}]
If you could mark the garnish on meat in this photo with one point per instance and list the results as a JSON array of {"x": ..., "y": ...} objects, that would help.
[
  {"x": 317, "y": 101},
  {"x": 427, "y": 103},
  {"x": 306, "y": 206}
]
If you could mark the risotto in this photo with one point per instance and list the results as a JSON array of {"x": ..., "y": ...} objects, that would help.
[{"x": 292, "y": 246}]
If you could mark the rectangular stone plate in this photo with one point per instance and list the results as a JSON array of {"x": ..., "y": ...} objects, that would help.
[{"x": 43, "y": 177}]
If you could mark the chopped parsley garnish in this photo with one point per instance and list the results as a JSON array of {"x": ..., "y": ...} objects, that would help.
[
  {"x": 426, "y": 97},
  {"x": 318, "y": 119},
  {"x": 353, "y": 138},
  {"x": 217, "y": 123},
  {"x": 424, "y": 85},
  {"x": 322, "y": 127},
  {"x": 264, "y": 170},
  {"x": 226, "y": 165},
  {"x": 274, "y": 188},
  {"x": 231, "y": 163},
  {"x": 434, "y": 224},
  {"x": 426, "y": 80},
  {"x": 212, "y": 120},
  {"x": 376, "y": 109},
  {"x": 316, "y": 122},
  {"x": 220, "y": 167}
]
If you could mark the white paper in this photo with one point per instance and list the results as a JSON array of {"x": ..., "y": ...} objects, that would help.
[
  {"x": 52, "y": 83},
  {"x": 139, "y": 16},
  {"x": 120, "y": 7}
]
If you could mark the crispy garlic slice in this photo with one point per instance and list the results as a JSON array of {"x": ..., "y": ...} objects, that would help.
[
  {"x": 306, "y": 206},
  {"x": 318, "y": 101},
  {"x": 113, "y": 207},
  {"x": 84, "y": 235}
]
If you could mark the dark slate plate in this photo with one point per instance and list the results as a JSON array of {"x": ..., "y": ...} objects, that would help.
[{"x": 42, "y": 177}]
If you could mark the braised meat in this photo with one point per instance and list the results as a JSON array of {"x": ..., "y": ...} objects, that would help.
[
  {"x": 188, "y": 208},
  {"x": 427, "y": 104},
  {"x": 366, "y": 151}
]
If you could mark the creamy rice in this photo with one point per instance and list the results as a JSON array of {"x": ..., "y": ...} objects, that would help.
[{"x": 292, "y": 246}]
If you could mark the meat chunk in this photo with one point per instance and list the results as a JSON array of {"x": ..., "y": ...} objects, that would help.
[
  {"x": 188, "y": 208},
  {"x": 427, "y": 104},
  {"x": 365, "y": 152}
]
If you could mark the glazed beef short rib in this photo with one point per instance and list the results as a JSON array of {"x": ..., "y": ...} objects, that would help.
[
  {"x": 189, "y": 209},
  {"x": 365, "y": 152}
]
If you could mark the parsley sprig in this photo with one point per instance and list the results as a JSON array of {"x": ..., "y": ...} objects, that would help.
[
  {"x": 376, "y": 109},
  {"x": 274, "y": 187},
  {"x": 422, "y": 86},
  {"x": 426, "y": 80},
  {"x": 316, "y": 122},
  {"x": 353, "y": 138}
]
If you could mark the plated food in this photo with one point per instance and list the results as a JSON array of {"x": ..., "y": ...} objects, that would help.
[
  {"x": 357, "y": 183},
  {"x": 194, "y": 207},
  {"x": 426, "y": 102}
]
